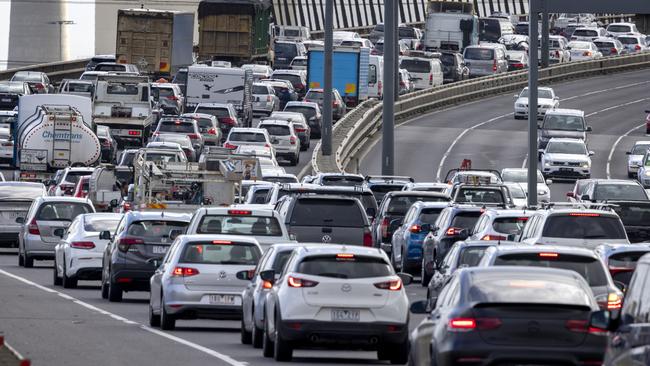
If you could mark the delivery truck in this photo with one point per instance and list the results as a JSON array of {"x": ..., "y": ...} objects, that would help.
[
  {"x": 235, "y": 30},
  {"x": 159, "y": 42},
  {"x": 349, "y": 72}
]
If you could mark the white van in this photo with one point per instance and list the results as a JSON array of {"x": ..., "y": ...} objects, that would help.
[
  {"x": 376, "y": 77},
  {"x": 425, "y": 72}
]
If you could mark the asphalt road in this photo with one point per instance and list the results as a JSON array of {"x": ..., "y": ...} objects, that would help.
[{"x": 486, "y": 132}]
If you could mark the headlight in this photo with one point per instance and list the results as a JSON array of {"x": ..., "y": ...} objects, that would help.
[
  {"x": 585, "y": 165},
  {"x": 542, "y": 192},
  {"x": 647, "y": 173},
  {"x": 547, "y": 163},
  {"x": 521, "y": 106}
]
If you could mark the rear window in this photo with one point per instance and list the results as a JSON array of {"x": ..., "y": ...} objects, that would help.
[
  {"x": 293, "y": 79},
  {"x": 327, "y": 212},
  {"x": 277, "y": 130},
  {"x": 619, "y": 28},
  {"x": 110, "y": 68},
  {"x": 215, "y": 253},
  {"x": 345, "y": 268},
  {"x": 162, "y": 158},
  {"x": 528, "y": 290},
  {"x": 620, "y": 192},
  {"x": 626, "y": 259},
  {"x": 80, "y": 87},
  {"x": 246, "y": 137},
  {"x": 176, "y": 127},
  {"x": 217, "y": 112},
  {"x": 465, "y": 220},
  {"x": 400, "y": 204},
  {"x": 341, "y": 181},
  {"x": 308, "y": 112},
  {"x": 589, "y": 268},
  {"x": 260, "y": 89},
  {"x": 583, "y": 227},
  {"x": 380, "y": 190},
  {"x": 155, "y": 230},
  {"x": 471, "y": 256},
  {"x": 314, "y": 95},
  {"x": 634, "y": 215},
  {"x": 602, "y": 44},
  {"x": 429, "y": 215},
  {"x": 204, "y": 123},
  {"x": 287, "y": 50},
  {"x": 99, "y": 224},
  {"x": 480, "y": 195},
  {"x": 62, "y": 211},
  {"x": 239, "y": 225},
  {"x": 280, "y": 179},
  {"x": 509, "y": 225},
  {"x": 478, "y": 54},
  {"x": 585, "y": 33},
  {"x": 416, "y": 66}
]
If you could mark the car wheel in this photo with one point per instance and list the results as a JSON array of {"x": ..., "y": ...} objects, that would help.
[
  {"x": 297, "y": 158},
  {"x": 404, "y": 264},
  {"x": 114, "y": 291},
  {"x": 68, "y": 282},
  {"x": 398, "y": 354},
  {"x": 394, "y": 262},
  {"x": 282, "y": 349},
  {"x": 267, "y": 344},
  {"x": 246, "y": 336},
  {"x": 154, "y": 320},
  {"x": 21, "y": 260},
  {"x": 104, "y": 289},
  {"x": 258, "y": 335},
  {"x": 29, "y": 261},
  {"x": 426, "y": 278},
  {"x": 56, "y": 280},
  {"x": 167, "y": 321}
]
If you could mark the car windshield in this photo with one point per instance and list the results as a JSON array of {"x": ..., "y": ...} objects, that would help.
[
  {"x": 62, "y": 211},
  {"x": 509, "y": 225},
  {"x": 100, "y": 223},
  {"x": 519, "y": 176},
  {"x": 482, "y": 195},
  {"x": 584, "y": 226},
  {"x": 344, "y": 266},
  {"x": 478, "y": 54},
  {"x": 20, "y": 192},
  {"x": 471, "y": 256},
  {"x": 277, "y": 130},
  {"x": 416, "y": 66},
  {"x": 327, "y": 212},
  {"x": 315, "y": 95},
  {"x": 605, "y": 44},
  {"x": 158, "y": 231},
  {"x": 398, "y": 205},
  {"x": 239, "y": 225},
  {"x": 216, "y": 253},
  {"x": 528, "y": 290},
  {"x": 566, "y": 148},
  {"x": 640, "y": 149},
  {"x": 588, "y": 267},
  {"x": 541, "y": 93},
  {"x": 299, "y": 62},
  {"x": 308, "y": 112},
  {"x": 564, "y": 123},
  {"x": 286, "y": 50},
  {"x": 176, "y": 127},
  {"x": 246, "y": 137},
  {"x": 214, "y": 111},
  {"x": 620, "y": 192},
  {"x": 294, "y": 79}
]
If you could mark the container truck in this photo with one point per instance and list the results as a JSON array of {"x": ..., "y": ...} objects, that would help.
[
  {"x": 450, "y": 26},
  {"x": 235, "y": 30},
  {"x": 349, "y": 72},
  {"x": 159, "y": 42}
]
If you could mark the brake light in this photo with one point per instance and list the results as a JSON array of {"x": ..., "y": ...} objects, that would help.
[
  {"x": 584, "y": 214},
  {"x": 193, "y": 136},
  {"x": 557, "y": 53},
  {"x": 172, "y": 97},
  {"x": 299, "y": 282},
  {"x": 453, "y": 231},
  {"x": 267, "y": 145},
  {"x": 461, "y": 324},
  {"x": 614, "y": 301},
  {"x": 137, "y": 133},
  {"x": 82, "y": 244},
  {"x": 637, "y": 47},
  {"x": 367, "y": 238},
  {"x": 394, "y": 285},
  {"x": 292, "y": 140},
  {"x": 221, "y": 242},
  {"x": 548, "y": 255},
  {"x": 268, "y": 98},
  {"x": 384, "y": 228},
  {"x": 267, "y": 285},
  {"x": 518, "y": 66},
  {"x": 299, "y": 86},
  {"x": 493, "y": 237},
  {"x": 33, "y": 228},
  {"x": 228, "y": 145},
  {"x": 586, "y": 53},
  {"x": 380, "y": 86},
  {"x": 613, "y": 51},
  {"x": 335, "y": 103},
  {"x": 617, "y": 270},
  {"x": 582, "y": 326},
  {"x": 184, "y": 272},
  {"x": 431, "y": 79},
  {"x": 239, "y": 212},
  {"x": 300, "y": 129},
  {"x": 415, "y": 229},
  {"x": 125, "y": 243},
  {"x": 345, "y": 255},
  {"x": 227, "y": 120},
  {"x": 39, "y": 86},
  {"x": 494, "y": 66}
]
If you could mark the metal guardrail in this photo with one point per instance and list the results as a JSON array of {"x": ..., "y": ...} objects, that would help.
[
  {"x": 56, "y": 71},
  {"x": 354, "y": 132}
]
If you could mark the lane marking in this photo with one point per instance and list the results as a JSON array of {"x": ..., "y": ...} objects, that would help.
[
  {"x": 616, "y": 107},
  {"x": 611, "y": 152},
  {"x": 223, "y": 357}
]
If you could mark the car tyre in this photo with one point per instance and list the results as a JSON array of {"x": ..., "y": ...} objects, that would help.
[
  {"x": 282, "y": 349},
  {"x": 398, "y": 354},
  {"x": 404, "y": 267},
  {"x": 154, "y": 320},
  {"x": 29, "y": 261},
  {"x": 246, "y": 336},
  {"x": 257, "y": 336},
  {"x": 426, "y": 278},
  {"x": 167, "y": 321},
  {"x": 114, "y": 291},
  {"x": 68, "y": 282},
  {"x": 104, "y": 289},
  {"x": 630, "y": 175},
  {"x": 267, "y": 344},
  {"x": 21, "y": 260},
  {"x": 56, "y": 280}
]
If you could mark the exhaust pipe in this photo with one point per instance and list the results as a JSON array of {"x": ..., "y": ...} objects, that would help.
[
  {"x": 374, "y": 340},
  {"x": 314, "y": 338}
]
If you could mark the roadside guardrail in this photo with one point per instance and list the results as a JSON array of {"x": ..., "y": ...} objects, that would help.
[
  {"x": 56, "y": 71},
  {"x": 10, "y": 357},
  {"x": 355, "y": 132}
]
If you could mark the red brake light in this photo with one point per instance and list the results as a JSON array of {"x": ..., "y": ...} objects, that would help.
[
  {"x": 494, "y": 66},
  {"x": 227, "y": 120},
  {"x": 518, "y": 66},
  {"x": 384, "y": 228},
  {"x": 613, "y": 51},
  {"x": 228, "y": 145},
  {"x": 137, "y": 133},
  {"x": 212, "y": 131},
  {"x": 394, "y": 285},
  {"x": 431, "y": 79},
  {"x": 185, "y": 272},
  {"x": 584, "y": 214},
  {"x": 461, "y": 324},
  {"x": 415, "y": 229},
  {"x": 300, "y": 129},
  {"x": 239, "y": 212},
  {"x": 82, "y": 244},
  {"x": 367, "y": 238},
  {"x": 493, "y": 237},
  {"x": 193, "y": 136},
  {"x": 221, "y": 242},
  {"x": 549, "y": 255},
  {"x": 33, "y": 228},
  {"x": 267, "y": 285},
  {"x": 125, "y": 243},
  {"x": 453, "y": 231},
  {"x": 637, "y": 47},
  {"x": 616, "y": 270},
  {"x": 582, "y": 326},
  {"x": 292, "y": 140},
  {"x": 345, "y": 255},
  {"x": 172, "y": 97},
  {"x": 299, "y": 282}
]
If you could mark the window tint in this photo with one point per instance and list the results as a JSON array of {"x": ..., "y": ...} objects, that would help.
[
  {"x": 327, "y": 212},
  {"x": 155, "y": 230},
  {"x": 566, "y": 148},
  {"x": 509, "y": 225},
  {"x": 583, "y": 227},
  {"x": 465, "y": 220},
  {"x": 176, "y": 127},
  {"x": 281, "y": 260},
  {"x": 429, "y": 215},
  {"x": 479, "y": 54},
  {"x": 347, "y": 268},
  {"x": 341, "y": 181},
  {"x": 210, "y": 253},
  {"x": 520, "y": 176},
  {"x": 634, "y": 214},
  {"x": 528, "y": 290},
  {"x": 315, "y": 95},
  {"x": 239, "y": 225},
  {"x": 398, "y": 205},
  {"x": 480, "y": 195},
  {"x": 294, "y": 79},
  {"x": 619, "y": 28},
  {"x": 308, "y": 112},
  {"x": 277, "y": 130},
  {"x": 62, "y": 211},
  {"x": 416, "y": 66},
  {"x": 590, "y": 268},
  {"x": 622, "y": 192},
  {"x": 260, "y": 89},
  {"x": 585, "y": 33},
  {"x": 471, "y": 256},
  {"x": 99, "y": 224},
  {"x": 564, "y": 123},
  {"x": 217, "y": 112},
  {"x": 204, "y": 123},
  {"x": 246, "y": 137}
]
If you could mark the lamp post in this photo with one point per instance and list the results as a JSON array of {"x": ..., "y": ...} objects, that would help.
[{"x": 61, "y": 23}]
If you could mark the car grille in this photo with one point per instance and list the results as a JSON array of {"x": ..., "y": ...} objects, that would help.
[{"x": 562, "y": 163}]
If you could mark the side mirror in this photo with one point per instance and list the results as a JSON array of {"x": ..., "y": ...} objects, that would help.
[
  {"x": 600, "y": 320},
  {"x": 591, "y": 153},
  {"x": 549, "y": 182},
  {"x": 105, "y": 235},
  {"x": 628, "y": 153},
  {"x": 60, "y": 232},
  {"x": 246, "y": 275},
  {"x": 570, "y": 194},
  {"x": 175, "y": 233},
  {"x": 371, "y": 211},
  {"x": 20, "y": 220},
  {"x": 419, "y": 307},
  {"x": 268, "y": 275},
  {"x": 406, "y": 278},
  {"x": 425, "y": 228},
  {"x": 589, "y": 129},
  {"x": 621, "y": 286}
]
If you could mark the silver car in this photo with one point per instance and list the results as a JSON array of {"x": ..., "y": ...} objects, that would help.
[
  {"x": 15, "y": 200},
  {"x": 264, "y": 99},
  {"x": 284, "y": 139},
  {"x": 485, "y": 60},
  {"x": 47, "y": 217},
  {"x": 635, "y": 157},
  {"x": 202, "y": 276}
]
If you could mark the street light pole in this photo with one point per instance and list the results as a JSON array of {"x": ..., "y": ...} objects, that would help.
[{"x": 61, "y": 23}]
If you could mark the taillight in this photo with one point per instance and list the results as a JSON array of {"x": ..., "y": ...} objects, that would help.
[
  {"x": 394, "y": 285},
  {"x": 172, "y": 97},
  {"x": 155, "y": 133},
  {"x": 335, "y": 103},
  {"x": 367, "y": 238},
  {"x": 380, "y": 86},
  {"x": 637, "y": 47},
  {"x": 212, "y": 131},
  {"x": 384, "y": 228},
  {"x": 292, "y": 140},
  {"x": 613, "y": 51},
  {"x": 469, "y": 324},
  {"x": 494, "y": 66},
  {"x": 614, "y": 301},
  {"x": 184, "y": 272},
  {"x": 267, "y": 285},
  {"x": 420, "y": 47},
  {"x": 268, "y": 98},
  {"x": 618, "y": 270},
  {"x": 39, "y": 86},
  {"x": 299, "y": 86},
  {"x": 300, "y": 129},
  {"x": 582, "y": 326},
  {"x": 586, "y": 53},
  {"x": 300, "y": 282},
  {"x": 137, "y": 133},
  {"x": 431, "y": 78},
  {"x": 453, "y": 231},
  {"x": 228, "y": 145},
  {"x": 267, "y": 145},
  {"x": 33, "y": 228},
  {"x": 82, "y": 244},
  {"x": 126, "y": 207},
  {"x": 125, "y": 243},
  {"x": 227, "y": 120},
  {"x": 493, "y": 237},
  {"x": 415, "y": 229},
  {"x": 557, "y": 53},
  {"x": 518, "y": 66},
  {"x": 193, "y": 136}
]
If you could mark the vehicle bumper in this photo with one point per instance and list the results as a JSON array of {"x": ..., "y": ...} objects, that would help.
[
  {"x": 9, "y": 236},
  {"x": 85, "y": 266},
  {"x": 193, "y": 304},
  {"x": 523, "y": 112},
  {"x": 311, "y": 333},
  {"x": 632, "y": 169},
  {"x": 263, "y": 107},
  {"x": 573, "y": 173},
  {"x": 37, "y": 248},
  {"x": 132, "y": 279}
]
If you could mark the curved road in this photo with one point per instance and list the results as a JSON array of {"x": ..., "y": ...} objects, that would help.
[{"x": 486, "y": 131}]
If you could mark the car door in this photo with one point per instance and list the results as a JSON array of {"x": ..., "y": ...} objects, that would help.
[{"x": 398, "y": 241}]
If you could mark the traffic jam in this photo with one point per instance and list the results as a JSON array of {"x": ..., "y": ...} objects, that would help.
[{"x": 184, "y": 188}]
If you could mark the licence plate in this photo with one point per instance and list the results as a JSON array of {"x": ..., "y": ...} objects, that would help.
[
  {"x": 6, "y": 100},
  {"x": 222, "y": 299},
  {"x": 566, "y": 169},
  {"x": 14, "y": 214},
  {"x": 159, "y": 249},
  {"x": 344, "y": 315}
]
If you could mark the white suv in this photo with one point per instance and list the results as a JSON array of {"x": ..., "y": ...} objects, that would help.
[
  {"x": 337, "y": 295},
  {"x": 566, "y": 158},
  {"x": 284, "y": 139}
]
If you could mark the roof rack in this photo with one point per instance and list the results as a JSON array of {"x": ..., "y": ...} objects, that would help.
[
  {"x": 579, "y": 205},
  {"x": 388, "y": 178}
]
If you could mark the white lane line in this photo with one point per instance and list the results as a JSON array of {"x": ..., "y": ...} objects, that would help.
[
  {"x": 444, "y": 157},
  {"x": 523, "y": 165},
  {"x": 611, "y": 152},
  {"x": 616, "y": 106},
  {"x": 225, "y": 358}
]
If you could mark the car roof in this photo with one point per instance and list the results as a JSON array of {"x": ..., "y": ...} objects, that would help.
[
  {"x": 160, "y": 215},
  {"x": 274, "y": 122},
  {"x": 416, "y": 193},
  {"x": 288, "y": 71},
  {"x": 198, "y": 115},
  {"x": 523, "y": 248},
  {"x": 106, "y": 215},
  {"x": 642, "y": 142},
  {"x": 64, "y": 199},
  {"x": 80, "y": 169},
  {"x": 21, "y": 184},
  {"x": 248, "y": 129},
  {"x": 616, "y": 181},
  {"x": 214, "y": 105},
  {"x": 611, "y": 249},
  {"x": 256, "y": 210},
  {"x": 513, "y": 272},
  {"x": 302, "y": 104},
  {"x": 509, "y": 212},
  {"x": 567, "y": 139},
  {"x": 329, "y": 249},
  {"x": 566, "y": 111},
  {"x": 604, "y": 39}
]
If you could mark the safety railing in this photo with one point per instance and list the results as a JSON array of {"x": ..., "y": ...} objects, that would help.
[{"x": 56, "y": 71}]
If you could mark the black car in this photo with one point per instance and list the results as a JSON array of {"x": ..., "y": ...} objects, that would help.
[
  {"x": 133, "y": 253},
  {"x": 635, "y": 216},
  {"x": 516, "y": 315},
  {"x": 628, "y": 342},
  {"x": 607, "y": 190},
  {"x": 453, "y": 67},
  {"x": 392, "y": 210},
  {"x": 454, "y": 224},
  {"x": 10, "y": 92}
]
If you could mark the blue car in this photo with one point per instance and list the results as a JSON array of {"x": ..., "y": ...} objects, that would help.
[{"x": 406, "y": 253}]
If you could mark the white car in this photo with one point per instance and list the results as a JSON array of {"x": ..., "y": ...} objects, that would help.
[
  {"x": 500, "y": 224},
  {"x": 260, "y": 72},
  {"x": 634, "y": 43},
  {"x": 520, "y": 175},
  {"x": 299, "y": 63},
  {"x": 264, "y": 99},
  {"x": 284, "y": 139},
  {"x": 616, "y": 29},
  {"x": 202, "y": 276},
  {"x": 566, "y": 158},
  {"x": 635, "y": 157},
  {"x": 78, "y": 256},
  {"x": 583, "y": 51},
  {"x": 239, "y": 136},
  {"x": 546, "y": 100},
  {"x": 337, "y": 295},
  {"x": 588, "y": 33},
  {"x": 518, "y": 194},
  {"x": 65, "y": 184}
]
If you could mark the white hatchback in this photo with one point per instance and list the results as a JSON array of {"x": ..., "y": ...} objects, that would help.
[
  {"x": 546, "y": 100},
  {"x": 305, "y": 306}
]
